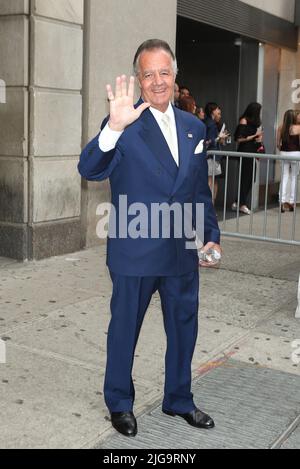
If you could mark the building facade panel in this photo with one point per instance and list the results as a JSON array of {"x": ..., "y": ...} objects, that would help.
[
  {"x": 14, "y": 50},
  {"x": 63, "y": 43},
  {"x": 14, "y": 123},
  {"x": 284, "y": 9},
  {"x": 15, "y": 7},
  {"x": 242, "y": 19},
  {"x": 14, "y": 190},
  {"x": 55, "y": 123},
  {"x": 56, "y": 189},
  {"x": 65, "y": 10}
]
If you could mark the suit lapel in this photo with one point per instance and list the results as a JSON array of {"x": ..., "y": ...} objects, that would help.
[
  {"x": 154, "y": 139},
  {"x": 185, "y": 147}
]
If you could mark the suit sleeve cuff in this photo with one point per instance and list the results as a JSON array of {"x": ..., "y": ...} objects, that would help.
[{"x": 108, "y": 139}]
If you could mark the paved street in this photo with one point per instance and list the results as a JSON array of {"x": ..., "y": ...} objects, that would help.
[{"x": 54, "y": 316}]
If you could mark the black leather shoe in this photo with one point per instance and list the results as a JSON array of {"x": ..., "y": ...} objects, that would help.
[
  {"x": 196, "y": 418},
  {"x": 124, "y": 422}
]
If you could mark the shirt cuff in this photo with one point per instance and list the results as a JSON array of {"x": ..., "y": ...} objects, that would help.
[{"x": 108, "y": 139}]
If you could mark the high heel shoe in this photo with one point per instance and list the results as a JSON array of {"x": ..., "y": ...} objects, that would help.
[
  {"x": 285, "y": 207},
  {"x": 244, "y": 209}
]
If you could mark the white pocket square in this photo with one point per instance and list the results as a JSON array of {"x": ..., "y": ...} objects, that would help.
[{"x": 199, "y": 148}]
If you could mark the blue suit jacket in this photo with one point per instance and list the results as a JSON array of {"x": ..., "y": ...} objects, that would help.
[{"x": 142, "y": 168}]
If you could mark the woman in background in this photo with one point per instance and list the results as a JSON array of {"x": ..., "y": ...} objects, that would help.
[
  {"x": 214, "y": 140},
  {"x": 188, "y": 104},
  {"x": 200, "y": 113},
  {"x": 288, "y": 142},
  {"x": 248, "y": 135}
]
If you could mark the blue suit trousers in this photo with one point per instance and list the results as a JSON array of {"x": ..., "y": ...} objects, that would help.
[{"x": 130, "y": 299}]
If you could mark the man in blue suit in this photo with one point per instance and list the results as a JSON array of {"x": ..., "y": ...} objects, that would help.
[{"x": 153, "y": 153}]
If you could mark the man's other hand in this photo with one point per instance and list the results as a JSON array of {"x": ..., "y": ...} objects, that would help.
[{"x": 208, "y": 246}]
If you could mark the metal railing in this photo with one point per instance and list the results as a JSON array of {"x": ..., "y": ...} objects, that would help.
[{"x": 235, "y": 232}]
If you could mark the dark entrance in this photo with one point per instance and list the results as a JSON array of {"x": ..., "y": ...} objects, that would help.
[{"x": 220, "y": 66}]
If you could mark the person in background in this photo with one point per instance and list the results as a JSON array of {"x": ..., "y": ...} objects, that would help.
[
  {"x": 214, "y": 140},
  {"x": 184, "y": 91},
  {"x": 249, "y": 136},
  {"x": 188, "y": 104},
  {"x": 176, "y": 95},
  {"x": 288, "y": 143},
  {"x": 200, "y": 113}
]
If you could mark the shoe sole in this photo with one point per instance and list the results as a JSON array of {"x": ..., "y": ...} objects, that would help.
[
  {"x": 129, "y": 435},
  {"x": 168, "y": 412},
  {"x": 173, "y": 414}
]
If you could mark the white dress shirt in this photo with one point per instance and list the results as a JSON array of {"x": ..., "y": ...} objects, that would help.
[{"x": 108, "y": 138}]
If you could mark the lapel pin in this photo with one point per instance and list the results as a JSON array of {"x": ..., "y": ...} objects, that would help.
[{"x": 190, "y": 135}]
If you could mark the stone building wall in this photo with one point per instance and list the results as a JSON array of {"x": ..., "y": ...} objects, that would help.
[{"x": 40, "y": 132}]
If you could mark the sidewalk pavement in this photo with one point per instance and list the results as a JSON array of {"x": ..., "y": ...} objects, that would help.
[
  {"x": 285, "y": 226},
  {"x": 54, "y": 316}
]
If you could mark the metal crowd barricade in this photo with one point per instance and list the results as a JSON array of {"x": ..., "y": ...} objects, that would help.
[{"x": 251, "y": 235}]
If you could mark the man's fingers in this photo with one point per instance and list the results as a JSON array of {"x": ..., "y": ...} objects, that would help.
[
  {"x": 131, "y": 87},
  {"x": 207, "y": 247},
  {"x": 110, "y": 94},
  {"x": 124, "y": 85},
  {"x": 118, "y": 88},
  {"x": 209, "y": 265},
  {"x": 142, "y": 108}
]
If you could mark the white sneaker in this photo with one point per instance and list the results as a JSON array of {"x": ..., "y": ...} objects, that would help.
[
  {"x": 245, "y": 210},
  {"x": 234, "y": 207}
]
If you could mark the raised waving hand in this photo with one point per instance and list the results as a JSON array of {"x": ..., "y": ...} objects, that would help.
[{"x": 122, "y": 111}]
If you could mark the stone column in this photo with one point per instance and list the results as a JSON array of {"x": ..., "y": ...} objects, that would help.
[
  {"x": 40, "y": 132},
  {"x": 56, "y": 51},
  {"x": 113, "y": 31},
  {"x": 14, "y": 56}
]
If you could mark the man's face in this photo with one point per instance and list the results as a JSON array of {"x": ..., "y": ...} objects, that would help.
[{"x": 156, "y": 78}]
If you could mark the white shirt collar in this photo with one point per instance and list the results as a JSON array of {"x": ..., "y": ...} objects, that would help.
[{"x": 158, "y": 114}]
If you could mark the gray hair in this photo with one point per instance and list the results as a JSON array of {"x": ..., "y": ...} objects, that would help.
[{"x": 152, "y": 44}]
